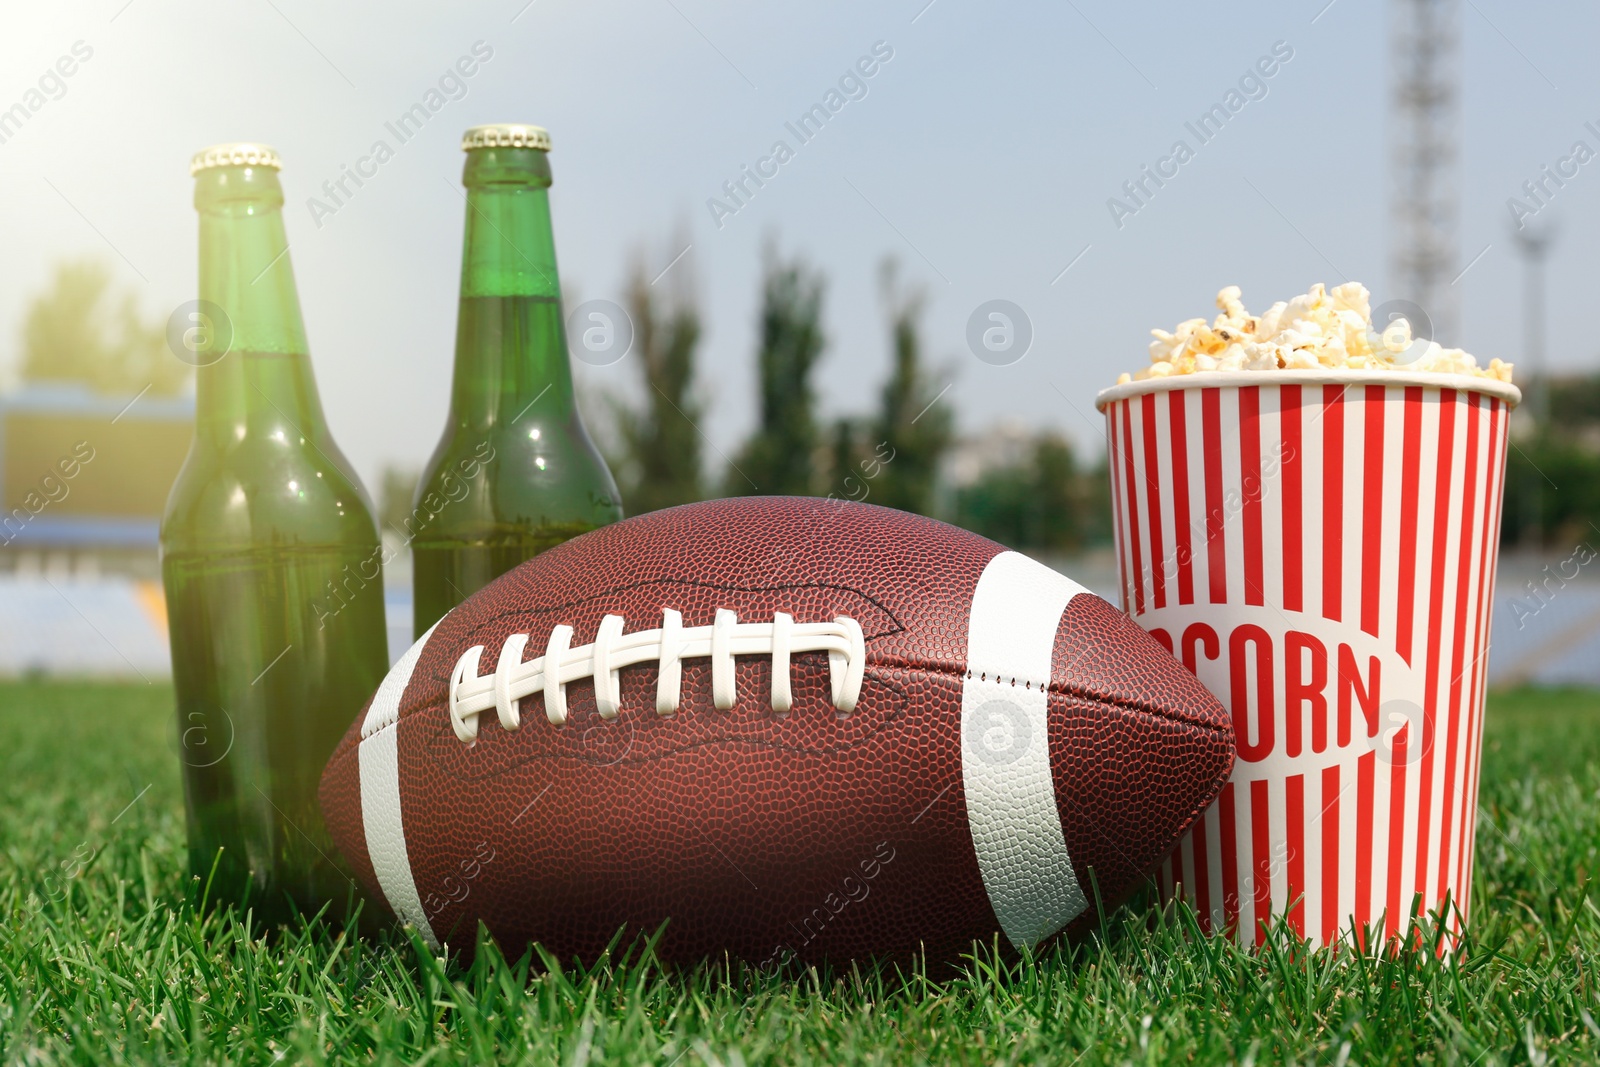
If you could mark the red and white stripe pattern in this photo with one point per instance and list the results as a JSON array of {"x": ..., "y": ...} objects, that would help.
[{"x": 1322, "y": 555}]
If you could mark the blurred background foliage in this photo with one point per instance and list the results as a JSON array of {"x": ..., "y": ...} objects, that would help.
[
  {"x": 1553, "y": 468},
  {"x": 81, "y": 330},
  {"x": 1026, "y": 488}
]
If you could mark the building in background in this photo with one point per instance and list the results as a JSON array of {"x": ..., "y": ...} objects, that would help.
[
  {"x": 84, "y": 478},
  {"x": 83, "y": 482}
]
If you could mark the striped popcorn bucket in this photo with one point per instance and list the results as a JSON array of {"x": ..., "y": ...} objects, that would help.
[{"x": 1319, "y": 548}]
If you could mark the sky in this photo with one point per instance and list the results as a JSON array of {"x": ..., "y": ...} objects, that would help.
[{"x": 981, "y": 153}]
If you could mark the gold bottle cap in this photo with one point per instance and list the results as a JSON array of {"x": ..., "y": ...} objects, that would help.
[
  {"x": 506, "y": 135},
  {"x": 235, "y": 154}
]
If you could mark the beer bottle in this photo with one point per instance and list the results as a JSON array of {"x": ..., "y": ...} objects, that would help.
[
  {"x": 515, "y": 471},
  {"x": 271, "y": 564}
]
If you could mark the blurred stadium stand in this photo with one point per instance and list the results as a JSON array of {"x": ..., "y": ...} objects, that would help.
[
  {"x": 62, "y": 622},
  {"x": 84, "y": 478}
]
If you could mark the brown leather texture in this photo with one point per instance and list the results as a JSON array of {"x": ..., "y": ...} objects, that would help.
[
  {"x": 808, "y": 835},
  {"x": 1138, "y": 751}
]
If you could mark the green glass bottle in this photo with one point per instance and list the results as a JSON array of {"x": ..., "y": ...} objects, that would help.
[
  {"x": 271, "y": 563},
  {"x": 515, "y": 472}
]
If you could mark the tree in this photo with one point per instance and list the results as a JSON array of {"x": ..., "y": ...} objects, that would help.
[
  {"x": 81, "y": 331},
  {"x": 846, "y": 457},
  {"x": 397, "y": 487},
  {"x": 912, "y": 431},
  {"x": 1552, "y": 480},
  {"x": 661, "y": 442},
  {"x": 1042, "y": 503},
  {"x": 780, "y": 456}
]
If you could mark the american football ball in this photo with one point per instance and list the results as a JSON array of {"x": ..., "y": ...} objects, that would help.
[{"x": 788, "y": 728}]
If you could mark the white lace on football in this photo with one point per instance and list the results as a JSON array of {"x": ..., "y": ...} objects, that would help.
[{"x": 727, "y": 637}]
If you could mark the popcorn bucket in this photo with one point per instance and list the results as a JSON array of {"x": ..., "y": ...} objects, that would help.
[{"x": 1319, "y": 548}]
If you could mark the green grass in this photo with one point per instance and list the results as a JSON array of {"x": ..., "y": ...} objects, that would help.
[{"x": 104, "y": 959}]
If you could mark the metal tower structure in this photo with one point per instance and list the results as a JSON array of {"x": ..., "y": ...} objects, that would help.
[
  {"x": 1426, "y": 51},
  {"x": 1534, "y": 244}
]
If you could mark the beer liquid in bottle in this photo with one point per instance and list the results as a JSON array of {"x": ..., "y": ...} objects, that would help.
[
  {"x": 515, "y": 472},
  {"x": 271, "y": 564}
]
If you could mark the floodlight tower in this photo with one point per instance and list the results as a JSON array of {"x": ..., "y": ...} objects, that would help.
[
  {"x": 1534, "y": 244},
  {"x": 1426, "y": 51}
]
